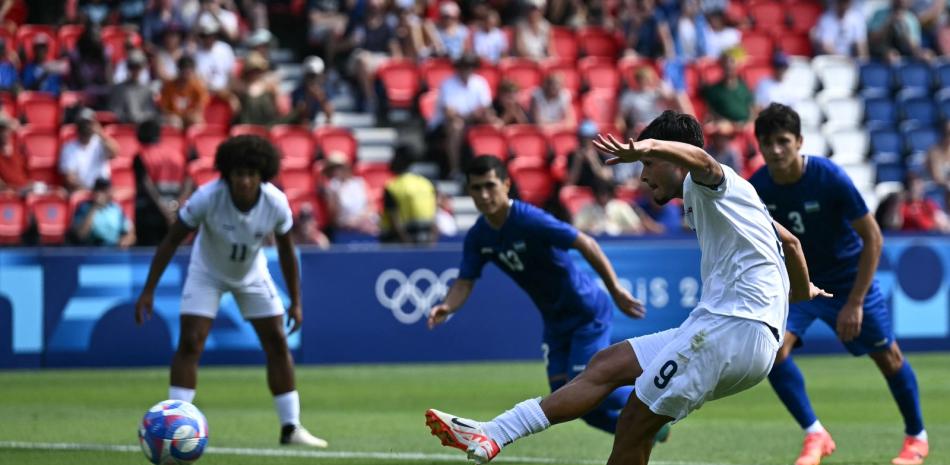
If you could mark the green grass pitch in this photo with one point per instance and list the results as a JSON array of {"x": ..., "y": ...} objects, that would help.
[{"x": 373, "y": 415}]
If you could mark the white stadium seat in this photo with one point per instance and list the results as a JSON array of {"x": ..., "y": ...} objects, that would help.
[{"x": 848, "y": 146}]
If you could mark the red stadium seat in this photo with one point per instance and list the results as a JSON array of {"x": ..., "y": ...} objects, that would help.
[
  {"x": 298, "y": 199},
  {"x": 376, "y": 175},
  {"x": 736, "y": 13},
  {"x": 39, "y": 109},
  {"x": 114, "y": 39},
  {"x": 563, "y": 142},
  {"x": 487, "y": 140},
  {"x": 523, "y": 72},
  {"x": 573, "y": 198},
  {"x": 599, "y": 73},
  {"x": 218, "y": 112},
  {"x": 295, "y": 144},
  {"x": 759, "y": 46},
  {"x": 752, "y": 74},
  {"x": 8, "y": 105},
  {"x": 795, "y": 44},
  {"x": 202, "y": 171},
  {"x": 526, "y": 141},
  {"x": 12, "y": 218},
  {"x": 598, "y": 42},
  {"x": 434, "y": 71},
  {"x": 709, "y": 71},
  {"x": 804, "y": 16},
  {"x": 67, "y": 35},
  {"x": 127, "y": 139},
  {"x": 491, "y": 76},
  {"x": 249, "y": 129},
  {"x": 9, "y": 40},
  {"x": 40, "y": 145},
  {"x": 570, "y": 78},
  {"x": 628, "y": 66},
  {"x": 123, "y": 178},
  {"x": 27, "y": 33},
  {"x": 330, "y": 138},
  {"x": 75, "y": 199},
  {"x": 535, "y": 184},
  {"x": 49, "y": 212},
  {"x": 400, "y": 80},
  {"x": 600, "y": 106},
  {"x": 67, "y": 132},
  {"x": 768, "y": 16},
  {"x": 205, "y": 139},
  {"x": 563, "y": 43},
  {"x": 296, "y": 178},
  {"x": 427, "y": 103},
  {"x": 71, "y": 98}
]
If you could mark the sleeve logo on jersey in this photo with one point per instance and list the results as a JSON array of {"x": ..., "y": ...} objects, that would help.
[
  {"x": 409, "y": 298},
  {"x": 812, "y": 206},
  {"x": 520, "y": 246}
]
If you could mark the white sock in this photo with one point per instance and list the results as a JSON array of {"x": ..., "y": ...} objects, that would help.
[
  {"x": 815, "y": 428},
  {"x": 523, "y": 419},
  {"x": 922, "y": 435},
  {"x": 180, "y": 393},
  {"x": 288, "y": 408}
]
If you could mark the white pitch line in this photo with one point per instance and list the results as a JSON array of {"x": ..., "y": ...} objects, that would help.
[{"x": 299, "y": 453}]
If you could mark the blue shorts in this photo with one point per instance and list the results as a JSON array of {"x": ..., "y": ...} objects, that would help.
[
  {"x": 568, "y": 354},
  {"x": 877, "y": 332}
]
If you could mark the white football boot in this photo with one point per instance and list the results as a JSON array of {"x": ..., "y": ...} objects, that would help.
[
  {"x": 463, "y": 434},
  {"x": 297, "y": 435}
]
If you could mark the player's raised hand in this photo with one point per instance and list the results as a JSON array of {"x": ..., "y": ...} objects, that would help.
[
  {"x": 143, "y": 307},
  {"x": 849, "y": 321},
  {"x": 628, "y": 304},
  {"x": 438, "y": 315},
  {"x": 622, "y": 153},
  {"x": 294, "y": 318}
]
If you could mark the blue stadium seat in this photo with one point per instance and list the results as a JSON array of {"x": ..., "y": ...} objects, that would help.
[
  {"x": 886, "y": 140},
  {"x": 919, "y": 138},
  {"x": 888, "y": 167},
  {"x": 880, "y": 110},
  {"x": 943, "y": 101},
  {"x": 942, "y": 73},
  {"x": 915, "y": 106},
  {"x": 876, "y": 75},
  {"x": 914, "y": 75}
]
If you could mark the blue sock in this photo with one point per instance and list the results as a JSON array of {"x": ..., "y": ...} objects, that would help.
[
  {"x": 605, "y": 416},
  {"x": 787, "y": 381},
  {"x": 904, "y": 389}
]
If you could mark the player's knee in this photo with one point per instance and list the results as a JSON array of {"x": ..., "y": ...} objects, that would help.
[
  {"x": 275, "y": 346},
  {"x": 190, "y": 345},
  {"x": 889, "y": 361}
]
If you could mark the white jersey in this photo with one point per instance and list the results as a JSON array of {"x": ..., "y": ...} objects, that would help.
[
  {"x": 228, "y": 246},
  {"x": 743, "y": 267}
]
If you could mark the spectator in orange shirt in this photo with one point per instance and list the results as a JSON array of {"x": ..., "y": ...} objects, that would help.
[
  {"x": 13, "y": 173},
  {"x": 920, "y": 213},
  {"x": 184, "y": 98}
]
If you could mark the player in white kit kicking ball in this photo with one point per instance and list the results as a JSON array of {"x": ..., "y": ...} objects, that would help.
[
  {"x": 727, "y": 344},
  {"x": 233, "y": 216}
]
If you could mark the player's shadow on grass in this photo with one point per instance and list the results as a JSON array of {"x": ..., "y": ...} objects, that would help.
[{"x": 117, "y": 340}]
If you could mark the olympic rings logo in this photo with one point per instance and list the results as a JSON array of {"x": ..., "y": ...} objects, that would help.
[{"x": 408, "y": 291}]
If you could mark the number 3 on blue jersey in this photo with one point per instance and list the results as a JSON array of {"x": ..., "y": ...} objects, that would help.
[{"x": 511, "y": 259}]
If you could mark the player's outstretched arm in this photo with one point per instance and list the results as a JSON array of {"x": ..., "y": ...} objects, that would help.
[
  {"x": 454, "y": 300},
  {"x": 702, "y": 166},
  {"x": 594, "y": 255},
  {"x": 291, "y": 272},
  {"x": 163, "y": 254},
  {"x": 801, "y": 286}
]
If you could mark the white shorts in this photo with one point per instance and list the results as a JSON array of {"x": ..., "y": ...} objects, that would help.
[
  {"x": 202, "y": 292},
  {"x": 708, "y": 357}
]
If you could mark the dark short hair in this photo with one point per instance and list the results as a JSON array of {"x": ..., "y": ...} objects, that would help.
[
  {"x": 777, "y": 118},
  {"x": 247, "y": 151},
  {"x": 676, "y": 127},
  {"x": 186, "y": 62},
  {"x": 483, "y": 164}
]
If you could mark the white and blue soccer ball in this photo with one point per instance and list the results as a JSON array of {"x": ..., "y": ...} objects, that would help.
[{"x": 173, "y": 432}]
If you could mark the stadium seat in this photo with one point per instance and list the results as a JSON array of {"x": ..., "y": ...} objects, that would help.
[
  {"x": 876, "y": 76},
  {"x": 752, "y": 74},
  {"x": 491, "y": 76},
  {"x": 709, "y": 71},
  {"x": 842, "y": 112},
  {"x": 67, "y": 132},
  {"x": 39, "y": 109},
  {"x": 599, "y": 73},
  {"x": 202, "y": 171},
  {"x": 943, "y": 101},
  {"x": 880, "y": 111},
  {"x": 298, "y": 199},
  {"x": 330, "y": 138},
  {"x": 249, "y": 129},
  {"x": 376, "y": 175},
  {"x": 795, "y": 44},
  {"x": 123, "y": 178},
  {"x": 836, "y": 74},
  {"x": 296, "y": 178},
  {"x": 801, "y": 73},
  {"x": 759, "y": 47},
  {"x": 598, "y": 42},
  {"x": 848, "y": 146},
  {"x": 600, "y": 106},
  {"x": 941, "y": 73},
  {"x": 40, "y": 145},
  {"x": 67, "y": 35},
  {"x": 427, "y": 103},
  {"x": 533, "y": 179},
  {"x": 563, "y": 43},
  {"x": 526, "y": 141},
  {"x": 115, "y": 37},
  {"x": 75, "y": 199},
  {"x": 26, "y": 34},
  {"x": 768, "y": 16},
  {"x": 627, "y": 66},
  {"x": 12, "y": 218},
  {"x": 888, "y": 167},
  {"x": 563, "y": 142},
  {"x": 400, "y": 81},
  {"x": 862, "y": 175},
  {"x": 570, "y": 77},
  {"x": 573, "y": 198},
  {"x": 737, "y": 13},
  {"x": 126, "y": 138},
  {"x": 218, "y": 112},
  {"x": 523, "y": 72},
  {"x": 917, "y": 107},
  {"x": 8, "y": 105},
  {"x": 809, "y": 113},
  {"x": 204, "y": 139},
  {"x": 919, "y": 138},
  {"x": 434, "y": 71},
  {"x": 49, "y": 213},
  {"x": 295, "y": 144},
  {"x": 9, "y": 40},
  {"x": 804, "y": 16},
  {"x": 487, "y": 140},
  {"x": 885, "y": 140},
  {"x": 914, "y": 75},
  {"x": 814, "y": 143}
]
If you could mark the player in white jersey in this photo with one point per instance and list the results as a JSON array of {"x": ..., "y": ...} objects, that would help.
[
  {"x": 727, "y": 344},
  {"x": 233, "y": 216}
]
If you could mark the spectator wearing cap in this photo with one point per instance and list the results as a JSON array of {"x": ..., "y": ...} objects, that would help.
[
  {"x": 551, "y": 106},
  {"x": 507, "y": 107},
  {"x": 730, "y": 98},
  {"x": 213, "y": 12},
  {"x": 894, "y": 32},
  {"x": 161, "y": 18},
  {"x": 90, "y": 69},
  {"x": 447, "y": 35},
  {"x": 349, "y": 207},
  {"x": 259, "y": 41},
  {"x": 585, "y": 167},
  {"x": 464, "y": 99},
  {"x": 841, "y": 30},
  {"x": 533, "y": 32},
  {"x": 183, "y": 99},
  {"x": 373, "y": 41},
  {"x": 488, "y": 40},
  {"x": 214, "y": 59},
  {"x": 409, "y": 204},
  {"x": 121, "y": 72},
  {"x": 132, "y": 101},
  {"x": 310, "y": 99},
  {"x": 100, "y": 220},
  {"x": 13, "y": 173},
  {"x": 256, "y": 92},
  {"x": 85, "y": 159},
  {"x": 42, "y": 73}
]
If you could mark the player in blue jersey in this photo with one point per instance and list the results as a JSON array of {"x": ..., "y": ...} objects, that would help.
[
  {"x": 815, "y": 200},
  {"x": 531, "y": 247}
]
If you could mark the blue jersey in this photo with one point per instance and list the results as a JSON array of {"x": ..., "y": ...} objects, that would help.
[
  {"x": 819, "y": 209},
  {"x": 532, "y": 248}
]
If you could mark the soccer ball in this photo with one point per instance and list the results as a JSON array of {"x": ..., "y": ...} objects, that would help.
[{"x": 173, "y": 432}]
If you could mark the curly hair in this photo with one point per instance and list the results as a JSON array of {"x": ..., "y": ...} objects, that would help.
[{"x": 247, "y": 151}]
